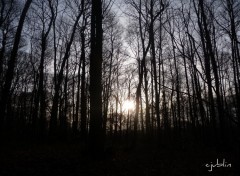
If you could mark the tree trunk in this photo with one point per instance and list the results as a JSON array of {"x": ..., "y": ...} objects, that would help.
[
  {"x": 11, "y": 66},
  {"x": 54, "y": 112},
  {"x": 96, "y": 142},
  {"x": 83, "y": 125}
]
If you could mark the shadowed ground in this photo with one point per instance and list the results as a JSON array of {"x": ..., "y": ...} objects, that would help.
[{"x": 68, "y": 159}]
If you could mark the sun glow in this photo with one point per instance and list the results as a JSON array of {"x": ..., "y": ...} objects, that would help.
[{"x": 128, "y": 105}]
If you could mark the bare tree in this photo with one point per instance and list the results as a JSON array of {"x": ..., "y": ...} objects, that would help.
[
  {"x": 5, "y": 94},
  {"x": 96, "y": 121}
]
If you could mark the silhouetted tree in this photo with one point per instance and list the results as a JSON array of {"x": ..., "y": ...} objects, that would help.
[
  {"x": 5, "y": 94},
  {"x": 96, "y": 129}
]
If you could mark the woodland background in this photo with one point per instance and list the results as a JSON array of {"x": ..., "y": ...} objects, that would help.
[{"x": 68, "y": 67}]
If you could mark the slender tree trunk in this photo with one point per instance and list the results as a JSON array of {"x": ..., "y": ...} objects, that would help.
[
  {"x": 76, "y": 117},
  {"x": 83, "y": 125},
  {"x": 147, "y": 114},
  {"x": 155, "y": 78},
  {"x": 11, "y": 66},
  {"x": 207, "y": 66},
  {"x": 235, "y": 54},
  {"x": 54, "y": 112},
  {"x": 210, "y": 55},
  {"x": 40, "y": 98}
]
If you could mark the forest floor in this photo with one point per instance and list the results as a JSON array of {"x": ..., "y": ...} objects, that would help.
[{"x": 62, "y": 159}]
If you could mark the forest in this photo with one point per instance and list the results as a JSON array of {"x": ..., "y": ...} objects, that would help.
[{"x": 119, "y": 87}]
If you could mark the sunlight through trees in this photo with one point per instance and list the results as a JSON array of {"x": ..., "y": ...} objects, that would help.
[{"x": 72, "y": 69}]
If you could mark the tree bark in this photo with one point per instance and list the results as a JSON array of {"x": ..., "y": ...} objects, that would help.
[
  {"x": 96, "y": 142},
  {"x": 11, "y": 65},
  {"x": 54, "y": 112}
]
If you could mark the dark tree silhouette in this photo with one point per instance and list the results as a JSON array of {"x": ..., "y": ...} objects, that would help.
[
  {"x": 54, "y": 112},
  {"x": 5, "y": 94},
  {"x": 96, "y": 119}
]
